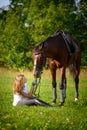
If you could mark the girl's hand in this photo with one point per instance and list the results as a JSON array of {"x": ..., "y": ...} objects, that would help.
[{"x": 34, "y": 83}]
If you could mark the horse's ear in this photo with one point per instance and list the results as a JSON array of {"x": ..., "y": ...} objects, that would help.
[
  {"x": 31, "y": 47},
  {"x": 41, "y": 46}
]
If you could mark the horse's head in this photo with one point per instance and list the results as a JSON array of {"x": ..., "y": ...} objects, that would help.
[{"x": 39, "y": 62}]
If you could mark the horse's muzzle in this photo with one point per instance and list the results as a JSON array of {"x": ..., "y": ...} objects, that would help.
[{"x": 37, "y": 74}]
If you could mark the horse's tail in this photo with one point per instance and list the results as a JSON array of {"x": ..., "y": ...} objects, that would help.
[{"x": 72, "y": 68}]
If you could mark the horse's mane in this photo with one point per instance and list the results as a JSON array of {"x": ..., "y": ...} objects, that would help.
[{"x": 38, "y": 48}]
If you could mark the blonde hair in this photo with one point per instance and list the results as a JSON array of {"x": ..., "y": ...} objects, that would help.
[{"x": 19, "y": 83}]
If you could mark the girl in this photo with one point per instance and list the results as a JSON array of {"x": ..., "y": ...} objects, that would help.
[{"x": 21, "y": 94}]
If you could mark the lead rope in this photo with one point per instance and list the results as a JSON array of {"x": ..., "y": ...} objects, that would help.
[{"x": 37, "y": 86}]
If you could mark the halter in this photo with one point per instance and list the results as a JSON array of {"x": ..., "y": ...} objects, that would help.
[
  {"x": 37, "y": 87},
  {"x": 40, "y": 68}
]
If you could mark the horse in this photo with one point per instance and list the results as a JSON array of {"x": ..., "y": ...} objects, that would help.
[{"x": 60, "y": 55}]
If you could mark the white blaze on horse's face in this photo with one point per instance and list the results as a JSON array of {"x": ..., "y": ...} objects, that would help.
[{"x": 37, "y": 66}]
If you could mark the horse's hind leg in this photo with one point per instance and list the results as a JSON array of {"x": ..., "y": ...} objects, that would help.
[{"x": 77, "y": 71}]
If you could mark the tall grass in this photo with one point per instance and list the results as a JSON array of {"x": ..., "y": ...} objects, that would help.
[{"x": 71, "y": 116}]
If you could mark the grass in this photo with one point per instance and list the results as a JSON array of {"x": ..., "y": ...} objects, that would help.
[{"x": 71, "y": 116}]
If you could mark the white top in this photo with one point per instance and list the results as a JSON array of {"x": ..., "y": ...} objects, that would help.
[{"x": 17, "y": 97}]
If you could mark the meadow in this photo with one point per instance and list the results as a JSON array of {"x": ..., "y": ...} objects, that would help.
[{"x": 71, "y": 116}]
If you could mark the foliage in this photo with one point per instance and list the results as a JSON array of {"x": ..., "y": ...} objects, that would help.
[
  {"x": 26, "y": 24},
  {"x": 73, "y": 115}
]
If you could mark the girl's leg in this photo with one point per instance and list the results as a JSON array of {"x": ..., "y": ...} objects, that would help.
[
  {"x": 28, "y": 102},
  {"x": 33, "y": 101},
  {"x": 41, "y": 103}
]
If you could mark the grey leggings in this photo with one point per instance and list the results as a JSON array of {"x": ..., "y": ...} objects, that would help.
[{"x": 33, "y": 101}]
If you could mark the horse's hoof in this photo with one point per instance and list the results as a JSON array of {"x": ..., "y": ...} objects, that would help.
[
  {"x": 76, "y": 99},
  {"x": 54, "y": 101},
  {"x": 61, "y": 104}
]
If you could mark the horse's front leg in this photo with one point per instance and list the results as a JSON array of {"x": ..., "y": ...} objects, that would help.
[
  {"x": 62, "y": 86},
  {"x": 53, "y": 73}
]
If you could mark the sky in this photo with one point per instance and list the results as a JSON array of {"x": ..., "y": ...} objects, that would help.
[{"x": 4, "y": 3}]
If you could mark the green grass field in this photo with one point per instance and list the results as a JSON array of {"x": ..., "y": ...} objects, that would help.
[{"x": 71, "y": 116}]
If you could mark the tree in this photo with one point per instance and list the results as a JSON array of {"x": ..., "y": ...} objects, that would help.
[{"x": 27, "y": 23}]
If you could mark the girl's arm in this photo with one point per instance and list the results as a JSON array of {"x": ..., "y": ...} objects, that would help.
[{"x": 28, "y": 95}]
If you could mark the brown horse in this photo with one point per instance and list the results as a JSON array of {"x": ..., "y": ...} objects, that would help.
[{"x": 60, "y": 55}]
